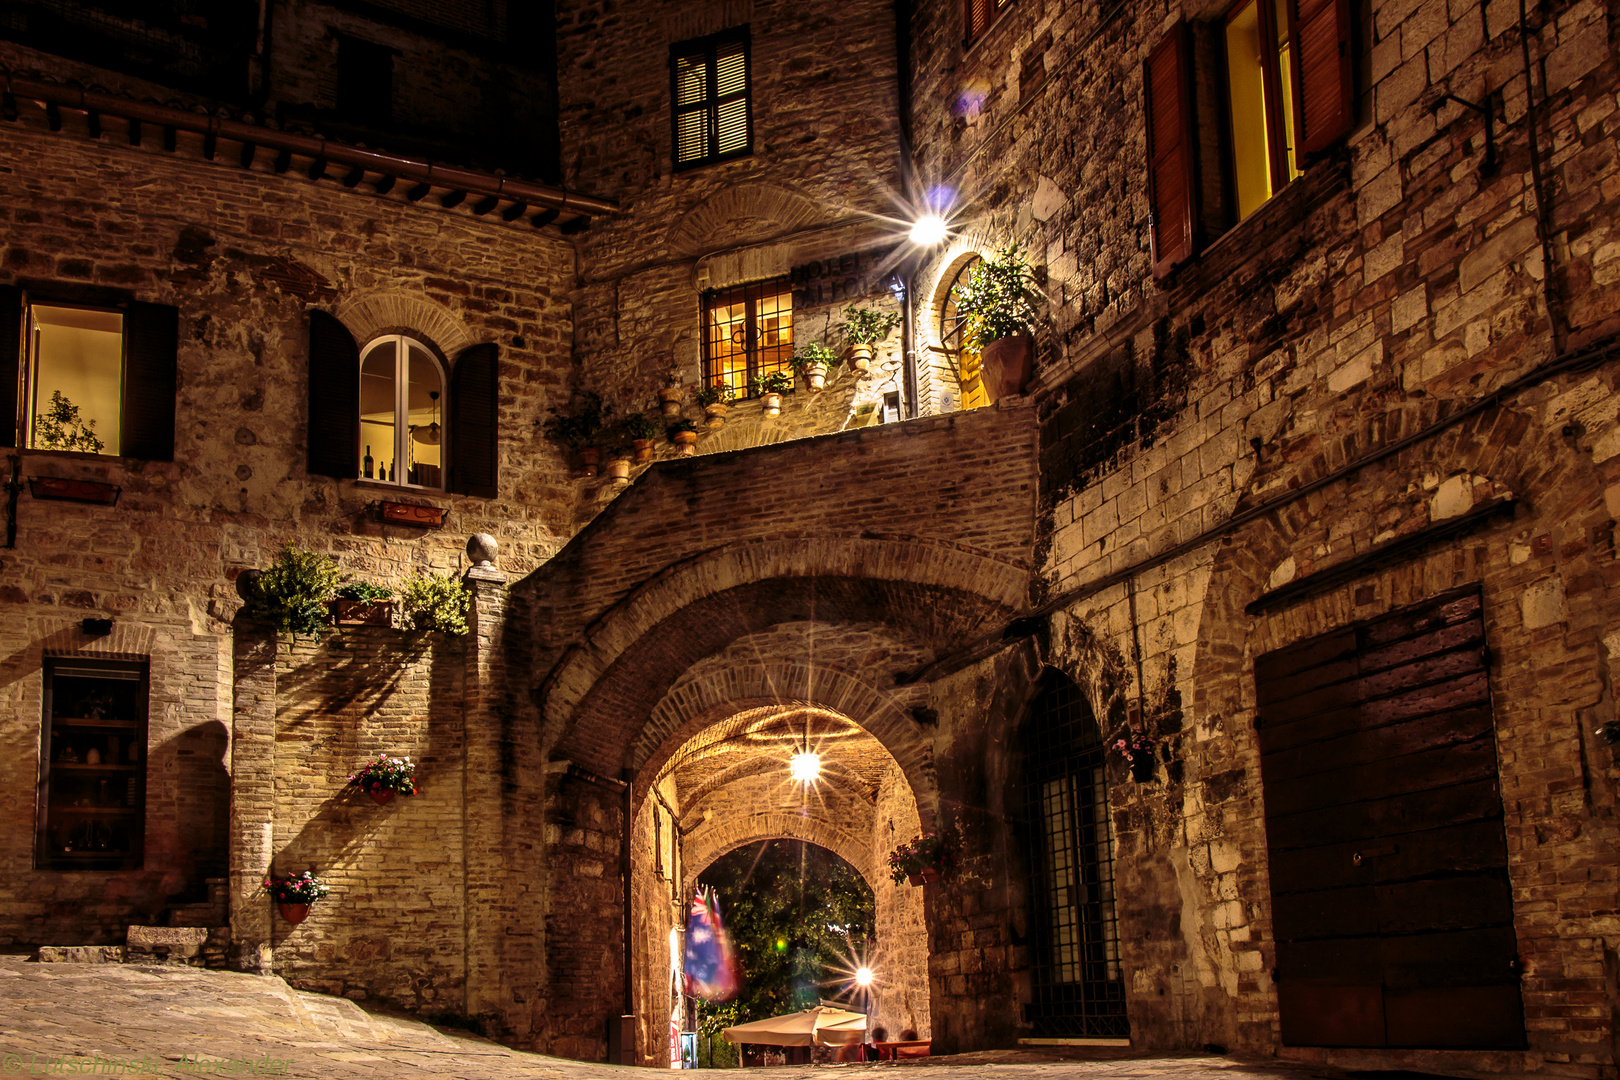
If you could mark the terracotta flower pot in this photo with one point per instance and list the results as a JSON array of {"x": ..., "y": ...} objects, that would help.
[
  {"x": 589, "y": 457},
  {"x": 643, "y": 450},
  {"x": 860, "y": 357},
  {"x": 1142, "y": 767},
  {"x": 381, "y": 798},
  {"x": 294, "y": 913},
  {"x": 1006, "y": 365},
  {"x": 771, "y": 404},
  {"x": 716, "y": 414},
  {"x": 619, "y": 468},
  {"x": 922, "y": 877},
  {"x": 687, "y": 441},
  {"x": 815, "y": 375},
  {"x": 669, "y": 400},
  {"x": 362, "y": 613}
]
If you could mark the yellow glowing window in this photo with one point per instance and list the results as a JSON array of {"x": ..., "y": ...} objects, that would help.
[
  {"x": 76, "y": 379},
  {"x": 712, "y": 111},
  {"x": 962, "y": 357},
  {"x": 748, "y": 334},
  {"x": 402, "y": 435},
  {"x": 1259, "y": 79}
]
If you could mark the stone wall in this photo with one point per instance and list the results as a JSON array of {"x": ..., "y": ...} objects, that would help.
[
  {"x": 900, "y": 997},
  {"x": 394, "y": 927},
  {"x": 1377, "y": 299}
]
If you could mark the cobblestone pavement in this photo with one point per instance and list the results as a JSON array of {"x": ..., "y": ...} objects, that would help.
[{"x": 135, "y": 1022}]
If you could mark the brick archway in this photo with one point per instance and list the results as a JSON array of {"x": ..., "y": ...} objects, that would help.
[
  {"x": 709, "y": 844},
  {"x": 928, "y": 592}
]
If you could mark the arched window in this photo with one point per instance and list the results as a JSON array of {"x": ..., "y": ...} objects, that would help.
[
  {"x": 402, "y": 405},
  {"x": 963, "y": 360},
  {"x": 1074, "y": 926}
]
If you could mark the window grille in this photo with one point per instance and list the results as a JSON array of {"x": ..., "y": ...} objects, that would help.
[
  {"x": 748, "y": 334},
  {"x": 1077, "y": 989}
]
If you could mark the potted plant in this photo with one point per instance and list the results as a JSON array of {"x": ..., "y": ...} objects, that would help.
[
  {"x": 1138, "y": 750},
  {"x": 865, "y": 327},
  {"x": 360, "y": 603},
  {"x": 998, "y": 301},
  {"x": 294, "y": 593},
  {"x": 577, "y": 427},
  {"x": 715, "y": 400},
  {"x": 384, "y": 777},
  {"x": 293, "y": 895},
  {"x": 925, "y": 858},
  {"x": 811, "y": 364},
  {"x": 641, "y": 429},
  {"x": 683, "y": 433},
  {"x": 769, "y": 389},
  {"x": 669, "y": 401},
  {"x": 436, "y": 602}
]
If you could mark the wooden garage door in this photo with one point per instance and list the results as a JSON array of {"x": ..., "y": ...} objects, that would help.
[{"x": 1390, "y": 896}]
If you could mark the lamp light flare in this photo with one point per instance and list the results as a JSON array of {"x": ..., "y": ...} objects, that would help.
[
  {"x": 805, "y": 767},
  {"x": 863, "y": 976},
  {"x": 929, "y": 230}
]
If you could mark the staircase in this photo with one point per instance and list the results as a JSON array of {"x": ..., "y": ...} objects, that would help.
[{"x": 198, "y": 935}]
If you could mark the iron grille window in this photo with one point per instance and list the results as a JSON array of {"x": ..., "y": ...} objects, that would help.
[
  {"x": 980, "y": 15},
  {"x": 713, "y": 114},
  {"x": 748, "y": 333},
  {"x": 1077, "y": 988}
]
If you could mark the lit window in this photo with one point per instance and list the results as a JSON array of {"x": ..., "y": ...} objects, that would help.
[
  {"x": 76, "y": 365},
  {"x": 748, "y": 334},
  {"x": 963, "y": 358},
  {"x": 92, "y": 790},
  {"x": 713, "y": 114},
  {"x": 401, "y": 413},
  {"x": 1259, "y": 77},
  {"x": 980, "y": 15}
]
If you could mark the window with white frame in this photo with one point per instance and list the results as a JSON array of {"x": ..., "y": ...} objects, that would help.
[{"x": 402, "y": 403}]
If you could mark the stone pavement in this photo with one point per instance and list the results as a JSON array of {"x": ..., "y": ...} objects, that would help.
[{"x": 149, "y": 1022}]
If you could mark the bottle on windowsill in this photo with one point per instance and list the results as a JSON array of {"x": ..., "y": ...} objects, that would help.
[{"x": 366, "y": 464}]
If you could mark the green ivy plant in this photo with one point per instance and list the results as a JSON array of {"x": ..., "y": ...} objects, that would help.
[
  {"x": 436, "y": 602},
  {"x": 868, "y": 326},
  {"x": 811, "y": 355},
  {"x": 714, "y": 394},
  {"x": 641, "y": 426},
  {"x": 777, "y": 382},
  {"x": 294, "y": 592},
  {"x": 365, "y": 592},
  {"x": 998, "y": 299},
  {"x": 580, "y": 424},
  {"x": 60, "y": 428}
]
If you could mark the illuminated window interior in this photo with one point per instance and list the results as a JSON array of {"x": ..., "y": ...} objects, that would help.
[
  {"x": 964, "y": 359},
  {"x": 76, "y": 353},
  {"x": 402, "y": 404},
  {"x": 1258, "y": 80},
  {"x": 748, "y": 334}
]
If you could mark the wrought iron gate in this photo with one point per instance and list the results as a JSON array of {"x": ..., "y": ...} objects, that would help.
[{"x": 1074, "y": 927}]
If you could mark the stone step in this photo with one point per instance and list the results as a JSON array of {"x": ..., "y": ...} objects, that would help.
[
  {"x": 80, "y": 954},
  {"x": 197, "y": 946}
]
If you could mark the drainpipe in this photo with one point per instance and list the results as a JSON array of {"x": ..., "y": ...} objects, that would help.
[
  {"x": 908, "y": 314},
  {"x": 472, "y": 181}
]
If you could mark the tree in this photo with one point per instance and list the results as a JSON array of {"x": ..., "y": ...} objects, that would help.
[
  {"x": 59, "y": 428},
  {"x": 796, "y": 913}
]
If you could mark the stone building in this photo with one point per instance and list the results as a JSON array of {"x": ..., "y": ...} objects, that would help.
[{"x": 1312, "y": 493}]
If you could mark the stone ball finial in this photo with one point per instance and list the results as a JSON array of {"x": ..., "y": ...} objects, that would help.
[
  {"x": 481, "y": 549},
  {"x": 246, "y": 582}
]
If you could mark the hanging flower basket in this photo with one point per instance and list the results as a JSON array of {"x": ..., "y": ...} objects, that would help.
[
  {"x": 925, "y": 858},
  {"x": 385, "y": 777},
  {"x": 294, "y": 895},
  {"x": 1139, "y": 750}
]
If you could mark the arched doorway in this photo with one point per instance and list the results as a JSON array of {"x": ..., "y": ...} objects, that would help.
[{"x": 1076, "y": 984}]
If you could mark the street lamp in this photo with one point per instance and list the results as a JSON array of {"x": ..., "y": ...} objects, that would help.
[
  {"x": 805, "y": 767},
  {"x": 929, "y": 230}
]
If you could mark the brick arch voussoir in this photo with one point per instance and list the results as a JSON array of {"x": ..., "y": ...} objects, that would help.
[
  {"x": 373, "y": 313},
  {"x": 702, "y": 847},
  {"x": 892, "y": 559}
]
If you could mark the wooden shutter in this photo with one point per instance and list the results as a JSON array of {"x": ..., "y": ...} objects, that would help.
[
  {"x": 1172, "y": 180},
  {"x": 733, "y": 126},
  {"x": 151, "y": 340},
  {"x": 690, "y": 88},
  {"x": 334, "y": 398},
  {"x": 1324, "y": 79},
  {"x": 11, "y": 354},
  {"x": 474, "y": 427}
]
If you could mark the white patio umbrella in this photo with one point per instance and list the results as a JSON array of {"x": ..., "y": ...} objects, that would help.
[{"x": 799, "y": 1029}]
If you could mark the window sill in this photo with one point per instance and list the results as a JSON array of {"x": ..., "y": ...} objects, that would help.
[{"x": 971, "y": 45}]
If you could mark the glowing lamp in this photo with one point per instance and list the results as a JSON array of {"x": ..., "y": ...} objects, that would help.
[
  {"x": 863, "y": 976},
  {"x": 929, "y": 230},
  {"x": 805, "y": 766}
]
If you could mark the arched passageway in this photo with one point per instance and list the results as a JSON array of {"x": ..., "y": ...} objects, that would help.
[{"x": 729, "y": 785}]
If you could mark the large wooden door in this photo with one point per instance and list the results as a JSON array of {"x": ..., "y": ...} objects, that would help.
[{"x": 1390, "y": 896}]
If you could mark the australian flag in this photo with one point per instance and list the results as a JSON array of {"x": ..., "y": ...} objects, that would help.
[{"x": 711, "y": 965}]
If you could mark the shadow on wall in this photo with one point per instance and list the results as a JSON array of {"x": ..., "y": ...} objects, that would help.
[{"x": 202, "y": 802}]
